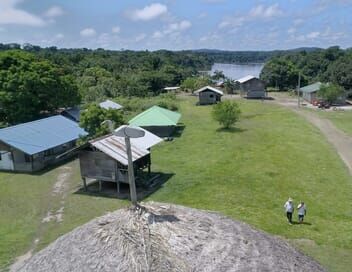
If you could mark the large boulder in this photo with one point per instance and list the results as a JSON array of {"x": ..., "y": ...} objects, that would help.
[{"x": 163, "y": 237}]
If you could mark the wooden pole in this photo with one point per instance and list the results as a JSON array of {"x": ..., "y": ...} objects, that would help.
[
  {"x": 299, "y": 89},
  {"x": 131, "y": 172}
]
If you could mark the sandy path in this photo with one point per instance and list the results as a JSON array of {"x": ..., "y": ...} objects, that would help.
[{"x": 57, "y": 196}]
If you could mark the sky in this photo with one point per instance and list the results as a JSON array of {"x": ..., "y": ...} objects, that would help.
[{"x": 177, "y": 24}]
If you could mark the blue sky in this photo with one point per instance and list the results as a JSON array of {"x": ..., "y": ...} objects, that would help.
[{"x": 177, "y": 24}]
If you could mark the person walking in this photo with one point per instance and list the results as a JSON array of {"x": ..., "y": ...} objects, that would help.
[
  {"x": 289, "y": 208},
  {"x": 302, "y": 211}
]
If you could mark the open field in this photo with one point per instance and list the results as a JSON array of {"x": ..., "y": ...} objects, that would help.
[{"x": 246, "y": 173}]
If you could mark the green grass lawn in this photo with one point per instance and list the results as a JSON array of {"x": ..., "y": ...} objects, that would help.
[
  {"x": 341, "y": 119},
  {"x": 247, "y": 173}
]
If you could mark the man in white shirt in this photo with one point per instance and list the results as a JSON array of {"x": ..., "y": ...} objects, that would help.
[
  {"x": 301, "y": 210},
  {"x": 289, "y": 208}
]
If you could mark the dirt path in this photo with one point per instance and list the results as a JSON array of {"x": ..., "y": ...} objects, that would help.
[
  {"x": 340, "y": 140},
  {"x": 54, "y": 212}
]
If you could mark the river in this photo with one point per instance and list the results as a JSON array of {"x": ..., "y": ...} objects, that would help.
[{"x": 236, "y": 71}]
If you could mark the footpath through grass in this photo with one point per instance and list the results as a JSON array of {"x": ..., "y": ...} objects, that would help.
[
  {"x": 341, "y": 119},
  {"x": 248, "y": 173}
]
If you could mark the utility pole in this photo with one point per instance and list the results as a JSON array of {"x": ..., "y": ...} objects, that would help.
[
  {"x": 128, "y": 133},
  {"x": 299, "y": 89}
]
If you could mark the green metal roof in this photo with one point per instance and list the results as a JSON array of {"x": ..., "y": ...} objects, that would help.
[
  {"x": 311, "y": 88},
  {"x": 156, "y": 116}
]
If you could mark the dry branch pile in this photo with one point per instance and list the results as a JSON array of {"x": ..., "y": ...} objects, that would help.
[{"x": 162, "y": 237}]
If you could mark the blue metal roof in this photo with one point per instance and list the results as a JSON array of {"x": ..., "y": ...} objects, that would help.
[{"x": 40, "y": 135}]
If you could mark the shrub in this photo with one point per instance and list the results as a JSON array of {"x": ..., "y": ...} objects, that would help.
[{"x": 227, "y": 113}]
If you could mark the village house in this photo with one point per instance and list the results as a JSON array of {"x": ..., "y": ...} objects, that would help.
[
  {"x": 251, "y": 87},
  {"x": 157, "y": 120},
  {"x": 73, "y": 114},
  {"x": 105, "y": 159},
  {"x": 32, "y": 146},
  {"x": 310, "y": 94},
  {"x": 209, "y": 95}
]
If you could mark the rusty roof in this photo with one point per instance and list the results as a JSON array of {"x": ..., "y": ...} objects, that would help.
[{"x": 115, "y": 148}]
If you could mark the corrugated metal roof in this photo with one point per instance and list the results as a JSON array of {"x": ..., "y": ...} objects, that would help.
[
  {"x": 156, "y": 116},
  {"x": 171, "y": 88},
  {"x": 209, "y": 88},
  {"x": 115, "y": 148},
  {"x": 108, "y": 104},
  {"x": 146, "y": 142},
  {"x": 73, "y": 113},
  {"x": 37, "y": 136},
  {"x": 311, "y": 88},
  {"x": 245, "y": 79}
]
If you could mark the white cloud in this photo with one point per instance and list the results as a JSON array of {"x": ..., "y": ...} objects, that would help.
[
  {"x": 172, "y": 29},
  {"x": 298, "y": 22},
  {"x": 261, "y": 11},
  {"x": 313, "y": 35},
  {"x": 147, "y": 13},
  {"x": 116, "y": 29},
  {"x": 54, "y": 11},
  {"x": 88, "y": 32},
  {"x": 157, "y": 35},
  {"x": 59, "y": 36},
  {"x": 11, "y": 15},
  {"x": 291, "y": 30},
  {"x": 140, "y": 37},
  {"x": 177, "y": 27}
]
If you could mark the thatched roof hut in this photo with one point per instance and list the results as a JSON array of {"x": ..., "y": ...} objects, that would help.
[{"x": 163, "y": 237}]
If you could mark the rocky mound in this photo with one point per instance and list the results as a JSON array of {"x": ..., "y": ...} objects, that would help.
[{"x": 162, "y": 237}]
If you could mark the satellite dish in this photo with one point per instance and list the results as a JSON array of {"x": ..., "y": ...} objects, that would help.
[{"x": 130, "y": 132}]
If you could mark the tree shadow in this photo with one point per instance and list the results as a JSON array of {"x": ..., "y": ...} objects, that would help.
[
  {"x": 109, "y": 189},
  {"x": 230, "y": 130}
]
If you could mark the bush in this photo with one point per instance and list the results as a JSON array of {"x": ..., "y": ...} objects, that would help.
[{"x": 227, "y": 113}]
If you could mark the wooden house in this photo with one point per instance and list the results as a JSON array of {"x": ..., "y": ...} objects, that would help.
[
  {"x": 32, "y": 146},
  {"x": 157, "y": 120},
  {"x": 251, "y": 87},
  {"x": 209, "y": 95},
  {"x": 310, "y": 94},
  {"x": 105, "y": 159}
]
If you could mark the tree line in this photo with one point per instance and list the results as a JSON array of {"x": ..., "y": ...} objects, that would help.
[{"x": 333, "y": 65}]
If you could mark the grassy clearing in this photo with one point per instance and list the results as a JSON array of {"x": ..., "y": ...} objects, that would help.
[
  {"x": 249, "y": 173},
  {"x": 246, "y": 173},
  {"x": 24, "y": 202}
]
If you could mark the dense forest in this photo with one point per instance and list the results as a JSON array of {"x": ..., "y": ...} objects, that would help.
[
  {"x": 37, "y": 81},
  {"x": 333, "y": 65}
]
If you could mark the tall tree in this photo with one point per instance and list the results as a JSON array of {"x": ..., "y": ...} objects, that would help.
[{"x": 30, "y": 86}]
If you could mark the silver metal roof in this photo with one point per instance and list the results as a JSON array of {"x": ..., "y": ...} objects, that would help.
[
  {"x": 108, "y": 104},
  {"x": 147, "y": 141},
  {"x": 115, "y": 148},
  {"x": 209, "y": 88},
  {"x": 245, "y": 79}
]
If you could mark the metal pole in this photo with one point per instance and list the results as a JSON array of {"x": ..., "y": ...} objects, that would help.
[
  {"x": 131, "y": 172},
  {"x": 299, "y": 89}
]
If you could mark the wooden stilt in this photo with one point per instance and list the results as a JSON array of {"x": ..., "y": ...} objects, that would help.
[
  {"x": 85, "y": 184},
  {"x": 100, "y": 185},
  {"x": 118, "y": 188}
]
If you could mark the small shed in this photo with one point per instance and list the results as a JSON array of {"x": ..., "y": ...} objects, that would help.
[
  {"x": 251, "y": 87},
  {"x": 31, "y": 146},
  {"x": 309, "y": 92},
  {"x": 105, "y": 158},
  {"x": 209, "y": 95},
  {"x": 108, "y": 104},
  {"x": 159, "y": 121}
]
